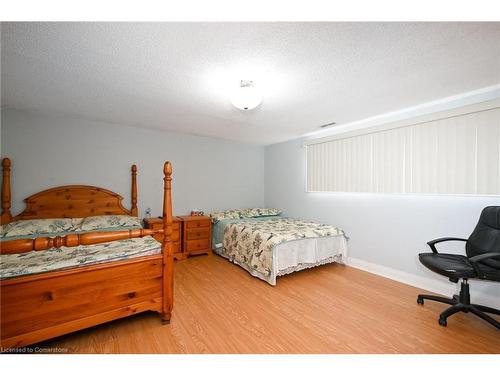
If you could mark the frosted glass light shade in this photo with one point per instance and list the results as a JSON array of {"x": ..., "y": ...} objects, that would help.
[{"x": 246, "y": 97}]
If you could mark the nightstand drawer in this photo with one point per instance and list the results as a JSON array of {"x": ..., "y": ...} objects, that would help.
[
  {"x": 157, "y": 223},
  {"x": 176, "y": 247},
  {"x": 197, "y": 233},
  {"x": 175, "y": 235},
  {"x": 198, "y": 223},
  {"x": 195, "y": 245}
]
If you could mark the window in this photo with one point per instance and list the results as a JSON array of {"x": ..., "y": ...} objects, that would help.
[{"x": 449, "y": 154}]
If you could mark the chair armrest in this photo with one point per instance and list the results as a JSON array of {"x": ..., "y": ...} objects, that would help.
[
  {"x": 484, "y": 256},
  {"x": 432, "y": 244},
  {"x": 475, "y": 259}
]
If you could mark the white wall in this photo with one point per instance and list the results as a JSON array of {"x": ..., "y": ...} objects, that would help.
[
  {"x": 386, "y": 231},
  {"x": 209, "y": 174}
]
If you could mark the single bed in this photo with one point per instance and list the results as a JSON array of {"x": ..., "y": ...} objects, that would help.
[
  {"x": 270, "y": 246},
  {"x": 75, "y": 258}
]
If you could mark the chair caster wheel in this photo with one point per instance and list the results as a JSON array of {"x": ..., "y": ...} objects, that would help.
[
  {"x": 420, "y": 300},
  {"x": 442, "y": 322}
]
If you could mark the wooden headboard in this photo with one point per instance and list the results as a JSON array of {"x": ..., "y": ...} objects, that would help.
[{"x": 67, "y": 201}]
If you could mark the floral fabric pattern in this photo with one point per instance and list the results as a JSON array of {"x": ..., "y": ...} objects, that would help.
[
  {"x": 244, "y": 213},
  {"x": 252, "y": 242},
  {"x": 257, "y": 212},
  {"x": 33, "y": 262},
  {"x": 109, "y": 221},
  {"x": 228, "y": 214},
  {"x": 63, "y": 226},
  {"x": 38, "y": 227}
]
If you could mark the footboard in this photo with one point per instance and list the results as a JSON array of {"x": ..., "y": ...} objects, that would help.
[{"x": 39, "y": 307}]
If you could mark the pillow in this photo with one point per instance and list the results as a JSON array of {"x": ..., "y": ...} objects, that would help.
[
  {"x": 38, "y": 226},
  {"x": 258, "y": 212},
  {"x": 228, "y": 214},
  {"x": 244, "y": 213},
  {"x": 101, "y": 222}
]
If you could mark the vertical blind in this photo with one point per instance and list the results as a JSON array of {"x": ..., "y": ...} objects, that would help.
[{"x": 455, "y": 155}]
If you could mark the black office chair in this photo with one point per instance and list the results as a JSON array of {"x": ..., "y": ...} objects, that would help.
[{"x": 482, "y": 262}]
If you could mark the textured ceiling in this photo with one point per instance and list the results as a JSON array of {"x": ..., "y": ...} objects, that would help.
[{"x": 178, "y": 76}]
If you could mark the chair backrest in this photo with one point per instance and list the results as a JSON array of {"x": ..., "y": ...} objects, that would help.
[{"x": 486, "y": 236}]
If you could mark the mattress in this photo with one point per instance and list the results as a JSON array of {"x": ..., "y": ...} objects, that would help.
[
  {"x": 34, "y": 262},
  {"x": 326, "y": 245}
]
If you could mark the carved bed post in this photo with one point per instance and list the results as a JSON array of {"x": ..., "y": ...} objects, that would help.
[
  {"x": 6, "y": 215},
  {"x": 168, "y": 260},
  {"x": 133, "y": 210}
]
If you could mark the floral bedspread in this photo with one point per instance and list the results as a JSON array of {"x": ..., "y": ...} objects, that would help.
[
  {"x": 69, "y": 257},
  {"x": 252, "y": 242}
]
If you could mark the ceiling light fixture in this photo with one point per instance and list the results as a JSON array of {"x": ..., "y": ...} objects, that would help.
[{"x": 246, "y": 96}]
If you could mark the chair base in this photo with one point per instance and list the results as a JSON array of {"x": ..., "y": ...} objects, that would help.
[{"x": 461, "y": 303}]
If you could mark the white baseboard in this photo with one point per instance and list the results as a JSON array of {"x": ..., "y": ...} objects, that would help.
[{"x": 443, "y": 287}]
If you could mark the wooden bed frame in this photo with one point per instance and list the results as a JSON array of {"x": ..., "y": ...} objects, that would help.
[{"x": 45, "y": 305}]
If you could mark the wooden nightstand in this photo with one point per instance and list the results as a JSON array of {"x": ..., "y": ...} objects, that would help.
[
  {"x": 196, "y": 235},
  {"x": 157, "y": 223}
]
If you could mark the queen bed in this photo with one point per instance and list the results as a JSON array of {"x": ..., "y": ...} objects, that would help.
[
  {"x": 75, "y": 258},
  {"x": 268, "y": 245}
]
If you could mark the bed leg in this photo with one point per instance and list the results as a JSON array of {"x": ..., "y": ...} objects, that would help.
[{"x": 165, "y": 318}]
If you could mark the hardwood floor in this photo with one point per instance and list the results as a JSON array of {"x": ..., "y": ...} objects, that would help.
[{"x": 220, "y": 308}]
